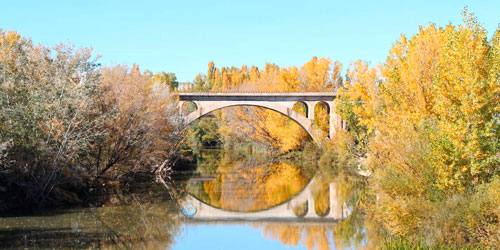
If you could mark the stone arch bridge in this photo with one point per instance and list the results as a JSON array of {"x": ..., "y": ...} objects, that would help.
[{"x": 281, "y": 102}]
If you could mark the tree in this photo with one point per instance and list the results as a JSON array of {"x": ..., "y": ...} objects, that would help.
[
  {"x": 66, "y": 125},
  {"x": 428, "y": 120},
  {"x": 166, "y": 78},
  {"x": 48, "y": 115},
  {"x": 141, "y": 132}
]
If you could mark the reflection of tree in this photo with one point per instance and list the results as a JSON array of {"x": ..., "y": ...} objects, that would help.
[
  {"x": 240, "y": 187},
  {"x": 143, "y": 226},
  {"x": 255, "y": 188},
  {"x": 308, "y": 235},
  {"x": 321, "y": 193},
  {"x": 209, "y": 162},
  {"x": 315, "y": 236},
  {"x": 138, "y": 226},
  {"x": 213, "y": 189},
  {"x": 288, "y": 235}
]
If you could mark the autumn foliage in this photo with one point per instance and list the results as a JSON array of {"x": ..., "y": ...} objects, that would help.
[
  {"x": 69, "y": 127},
  {"x": 427, "y": 120}
]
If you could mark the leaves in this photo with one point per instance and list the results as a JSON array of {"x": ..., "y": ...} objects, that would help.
[
  {"x": 67, "y": 122},
  {"x": 427, "y": 121}
]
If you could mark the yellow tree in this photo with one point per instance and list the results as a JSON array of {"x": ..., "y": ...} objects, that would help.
[
  {"x": 429, "y": 116},
  {"x": 318, "y": 75},
  {"x": 290, "y": 79}
]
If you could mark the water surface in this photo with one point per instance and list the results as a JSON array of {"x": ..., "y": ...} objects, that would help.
[{"x": 230, "y": 205}]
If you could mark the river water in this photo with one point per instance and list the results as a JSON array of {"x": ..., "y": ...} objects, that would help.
[{"x": 223, "y": 204}]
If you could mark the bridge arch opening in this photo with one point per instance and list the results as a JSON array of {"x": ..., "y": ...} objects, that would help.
[
  {"x": 188, "y": 209},
  {"x": 321, "y": 194},
  {"x": 301, "y": 209},
  {"x": 291, "y": 114},
  {"x": 301, "y": 108},
  {"x": 188, "y": 107},
  {"x": 322, "y": 117}
]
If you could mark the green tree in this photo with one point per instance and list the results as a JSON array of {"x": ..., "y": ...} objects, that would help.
[{"x": 167, "y": 78}]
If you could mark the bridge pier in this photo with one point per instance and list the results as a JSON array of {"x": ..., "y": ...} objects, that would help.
[
  {"x": 311, "y": 206},
  {"x": 310, "y": 110},
  {"x": 334, "y": 120},
  {"x": 335, "y": 207}
]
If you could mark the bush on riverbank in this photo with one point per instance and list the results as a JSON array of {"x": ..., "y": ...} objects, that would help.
[{"x": 67, "y": 127}]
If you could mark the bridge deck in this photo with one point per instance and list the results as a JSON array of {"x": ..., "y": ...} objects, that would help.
[
  {"x": 257, "y": 96},
  {"x": 269, "y": 94}
]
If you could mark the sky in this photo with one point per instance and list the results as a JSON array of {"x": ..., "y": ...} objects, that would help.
[{"x": 182, "y": 36}]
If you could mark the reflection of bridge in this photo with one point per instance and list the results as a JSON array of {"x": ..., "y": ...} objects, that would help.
[
  {"x": 281, "y": 102},
  {"x": 284, "y": 211}
]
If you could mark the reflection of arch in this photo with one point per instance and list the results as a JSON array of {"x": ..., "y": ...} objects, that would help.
[
  {"x": 282, "y": 211},
  {"x": 301, "y": 105},
  {"x": 305, "y": 123}
]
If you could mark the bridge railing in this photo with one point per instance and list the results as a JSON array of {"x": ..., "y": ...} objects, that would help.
[{"x": 297, "y": 93}]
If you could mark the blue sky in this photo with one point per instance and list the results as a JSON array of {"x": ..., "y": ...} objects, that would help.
[{"x": 183, "y": 36}]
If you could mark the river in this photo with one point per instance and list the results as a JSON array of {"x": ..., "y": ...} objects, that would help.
[{"x": 222, "y": 204}]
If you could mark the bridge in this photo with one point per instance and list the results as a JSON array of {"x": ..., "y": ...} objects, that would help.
[
  {"x": 281, "y": 102},
  {"x": 337, "y": 210}
]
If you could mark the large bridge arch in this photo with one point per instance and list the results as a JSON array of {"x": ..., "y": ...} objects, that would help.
[{"x": 300, "y": 119}]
